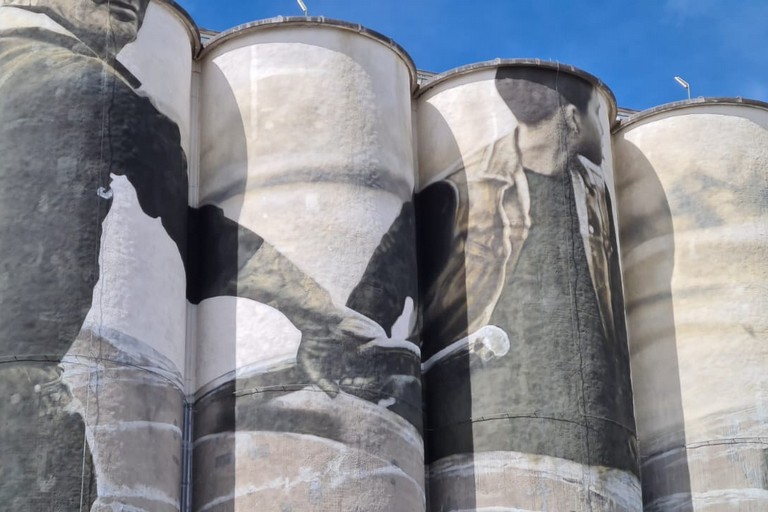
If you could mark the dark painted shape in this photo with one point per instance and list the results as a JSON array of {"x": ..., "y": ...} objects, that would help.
[
  {"x": 220, "y": 244},
  {"x": 442, "y": 237},
  {"x": 45, "y": 462},
  {"x": 565, "y": 385},
  {"x": 568, "y": 395},
  {"x": 67, "y": 121},
  {"x": 389, "y": 278},
  {"x": 390, "y": 275},
  {"x": 666, "y": 472},
  {"x": 442, "y": 231}
]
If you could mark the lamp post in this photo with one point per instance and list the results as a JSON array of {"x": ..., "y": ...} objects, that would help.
[{"x": 681, "y": 82}]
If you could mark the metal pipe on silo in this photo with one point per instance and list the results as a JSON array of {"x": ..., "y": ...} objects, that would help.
[
  {"x": 525, "y": 361},
  {"x": 308, "y": 372},
  {"x": 93, "y": 198},
  {"x": 692, "y": 188}
]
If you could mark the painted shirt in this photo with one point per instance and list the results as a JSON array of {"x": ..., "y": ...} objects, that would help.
[
  {"x": 531, "y": 398},
  {"x": 68, "y": 122}
]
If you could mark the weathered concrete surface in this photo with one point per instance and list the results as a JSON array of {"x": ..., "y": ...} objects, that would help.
[
  {"x": 303, "y": 450},
  {"x": 693, "y": 195},
  {"x": 521, "y": 481},
  {"x": 45, "y": 460},
  {"x": 132, "y": 403}
]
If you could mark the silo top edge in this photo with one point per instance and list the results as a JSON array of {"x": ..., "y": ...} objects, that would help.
[
  {"x": 316, "y": 21},
  {"x": 685, "y": 104},
  {"x": 189, "y": 23},
  {"x": 537, "y": 63}
]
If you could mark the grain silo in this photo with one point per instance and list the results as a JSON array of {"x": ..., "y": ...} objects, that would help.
[
  {"x": 211, "y": 296},
  {"x": 528, "y": 397},
  {"x": 93, "y": 212},
  {"x": 309, "y": 392},
  {"x": 691, "y": 183}
]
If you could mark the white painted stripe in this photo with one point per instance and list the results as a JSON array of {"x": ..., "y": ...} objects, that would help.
[{"x": 135, "y": 425}]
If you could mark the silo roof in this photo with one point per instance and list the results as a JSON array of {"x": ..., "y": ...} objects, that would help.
[
  {"x": 314, "y": 21},
  {"x": 189, "y": 23},
  {"x": 686, "y": 104},
  {"x": 536, "y": 63}
]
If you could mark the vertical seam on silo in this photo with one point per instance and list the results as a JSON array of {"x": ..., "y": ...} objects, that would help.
[
  {"x": 105, "y": 133},
  {"x": 190, "y": 332}
]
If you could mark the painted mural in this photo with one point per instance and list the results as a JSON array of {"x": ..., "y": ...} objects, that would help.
[
  {"x": 525, "y": 345},
  {"x": 96, "y": 416},
  {"x": 254, "y": 301},
  {"x": 309, "y": 397},
  {"x": 75, "y": 132}
]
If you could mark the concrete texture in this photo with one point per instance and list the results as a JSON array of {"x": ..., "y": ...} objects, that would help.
[
  {"x": 520, "y": 481},
  {"x": 303, "y": 450},
  {"x": 692, "y": 191},
  {"x": 316, "y": 158}
]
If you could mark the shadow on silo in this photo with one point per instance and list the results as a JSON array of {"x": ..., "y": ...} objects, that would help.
[
  {"x": 648, "y": 252},
  {"x": 214, "y": 240},
  {"x": 258, "y": 430},
  {"x": 448, "y": 433}
]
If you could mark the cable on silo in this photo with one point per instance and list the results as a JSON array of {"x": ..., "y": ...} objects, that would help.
[
  {"x": 102, "y": 192},
  {"x": 575, "y": 320}
]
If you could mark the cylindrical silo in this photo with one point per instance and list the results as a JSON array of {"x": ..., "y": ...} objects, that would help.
[
  {"x": 525, "y": 360},
  {"x": 93, "y": 201},
  {"x": 308, "y": 369},
  {"x": 691, "y": 179}
]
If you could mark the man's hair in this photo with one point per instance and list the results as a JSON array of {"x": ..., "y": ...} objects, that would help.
[{"x": 535, "y": 94}]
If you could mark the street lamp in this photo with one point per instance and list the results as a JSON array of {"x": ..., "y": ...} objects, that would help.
[
  {"x": 681, "y": 82},
  {"x": 303, "y": 7}
]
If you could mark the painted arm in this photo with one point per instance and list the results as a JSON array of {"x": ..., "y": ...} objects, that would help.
[
  {"x": 229, "y": 259},
  {"x": 222, "y": 257}
]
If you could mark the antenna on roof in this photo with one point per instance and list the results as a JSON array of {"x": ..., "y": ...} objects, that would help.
[
  {"x": 684, "y": 84},
  {"x": 303, "y": 7}
]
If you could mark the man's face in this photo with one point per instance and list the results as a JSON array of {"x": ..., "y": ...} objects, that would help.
[
  {"x": 110, "y": 23},
  {"x": 588, "y": 140}
]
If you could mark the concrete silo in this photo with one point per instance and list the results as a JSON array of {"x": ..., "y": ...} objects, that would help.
[
  {"x": 92, "y": 239},
  {"x": 308, "y": 371},
  {"x": 691, "y": 182},
  {"x": 526, "y": 369}
]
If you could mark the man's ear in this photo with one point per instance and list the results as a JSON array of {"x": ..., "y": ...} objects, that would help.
[{"x": 571, "y": 118}]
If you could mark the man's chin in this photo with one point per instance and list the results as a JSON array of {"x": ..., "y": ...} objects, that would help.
[{"x": 123, "y": 34}]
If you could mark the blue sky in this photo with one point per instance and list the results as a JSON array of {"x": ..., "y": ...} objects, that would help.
[{"x": 635, "y": 46}]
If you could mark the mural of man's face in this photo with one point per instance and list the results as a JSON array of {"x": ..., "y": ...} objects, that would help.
[
  {"x": 587, "y": 132},
  {"x": 108, "y": 24}
]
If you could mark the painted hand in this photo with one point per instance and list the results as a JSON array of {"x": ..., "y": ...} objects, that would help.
[
  {"x": 385, "y": 369},
  {"x": 322, "y": 351}
]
